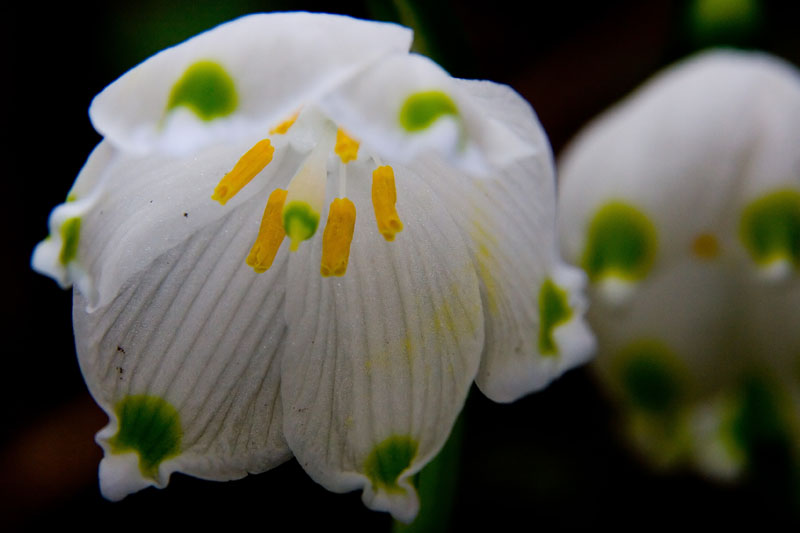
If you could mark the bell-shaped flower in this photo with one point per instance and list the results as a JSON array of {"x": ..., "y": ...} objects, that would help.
[
  {"x": 682, "y": 203},
  {"x": 418, "y": 212}
]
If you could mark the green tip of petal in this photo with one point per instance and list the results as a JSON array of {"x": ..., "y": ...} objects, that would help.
[
  {"x": 758, "y": 426},
  {"x": 70, "y": 236},
  {"x": 621, "y": 243},
  {"x": 422, "y": 109},
  {"x": 652, "y": 377},
  {"x": 150, "y": 427},
  {"x": 553, "y": 310},
  {"x": 300, "y": 222},
  {"x": 770, "y": 228},
  {"x": 205, "y": 88},
  {"x": 388, "y": 460}
]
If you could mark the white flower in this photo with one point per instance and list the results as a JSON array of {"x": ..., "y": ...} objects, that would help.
[
  {"x": 217, "y": 352},
  {"x": 683, "y": 205}
]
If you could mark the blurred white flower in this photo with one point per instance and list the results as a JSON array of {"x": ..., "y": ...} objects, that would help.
[{"x": 682, "y": 203}]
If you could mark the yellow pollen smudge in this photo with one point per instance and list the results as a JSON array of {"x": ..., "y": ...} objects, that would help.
[
  {"x": 705, "y": 246},
  {"x": 337, "y": 237},
  {"x": 248, "y": 166},
  {"x": 384, "y": 198},
  {"x": 284, "y": 126},
  {"x": 346, "y": 147},
  {"x": 270, "y": 234}
]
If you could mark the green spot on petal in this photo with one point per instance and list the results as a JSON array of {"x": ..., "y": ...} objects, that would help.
[
  {"x": 621, "y": 243},
  {"x": 770, "y": 227},
  {"x": 300, "y": 222},
  {"x": 206, "y": 89},
  {"x": 70, "y": 235},
  {"x": 422, "y": 109},
  {"x": 388, "y": 460},
  {"x": 652, "y": 377},
  {"x": 553, "y": 310},
  {"x": 150, "y": 427}
]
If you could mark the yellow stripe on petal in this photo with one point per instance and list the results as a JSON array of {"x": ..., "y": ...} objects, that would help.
[
  {"x": 346, "y": 147},
  {"x": 384, "y": 198},
  {"x": 270, "y": 234},
  {"x": 337, "y": 237},
  {"x": 248, "y": 166}
]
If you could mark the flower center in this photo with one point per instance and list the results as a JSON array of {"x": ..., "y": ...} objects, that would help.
[{"x": 294, "y": 212}]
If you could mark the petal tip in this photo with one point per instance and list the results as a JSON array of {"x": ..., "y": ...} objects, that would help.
[
  {"x": 615, "y": 291},
  {"x": 120, "y": 476},
  {"x": 576, "y": 341},
  {"x": 776, "y": 271},
  {"x": 403, "y": 503},
  {"x": 45, "y": 261}
]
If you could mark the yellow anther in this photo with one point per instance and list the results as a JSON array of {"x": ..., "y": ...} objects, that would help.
[
  {"x": 270, "y": 234},
  {"x": 250, "y": 164},
  {"x": 284, "y": 126},
  {"x": 346, "y": 147},
  {"x": 384, "y": 198},
  {"x": 337, "y": 237},
  {"x": 705, "y": 246}
]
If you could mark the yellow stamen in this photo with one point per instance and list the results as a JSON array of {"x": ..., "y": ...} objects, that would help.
[
  {"x": 250, "y": 164},
  {"x": 384, "y": 198},
  {"x": 270, "y": 234},
  {"x": 705, "y": 246},
  {"x": 346, "y": 147},
  {"x": 337, "y": 237},
  {"x": 284, "y": 126}
]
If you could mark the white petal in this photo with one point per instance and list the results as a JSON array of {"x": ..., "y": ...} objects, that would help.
[
  {"x": 56, "y": 255},
  {"x": 382, "y": 358},
  {"x": 119, "y": 473},
  {"x": 52, "y": 257},
  {"x": 199, "y": 335},
  {"x": 372, "y": 107},
  {"x": 509, "y": 221},
  {"x": 771, "y": 323},
  {"x": 690, "y": 310},
  {"x": 92, "y": 172},
  {"x": 148, "y": 205},
  {"x": 686, "y": 150},
  {"x": 277, "y": 62}
]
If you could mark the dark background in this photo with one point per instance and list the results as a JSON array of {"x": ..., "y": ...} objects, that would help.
[{"x": 552, "y": 460}]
